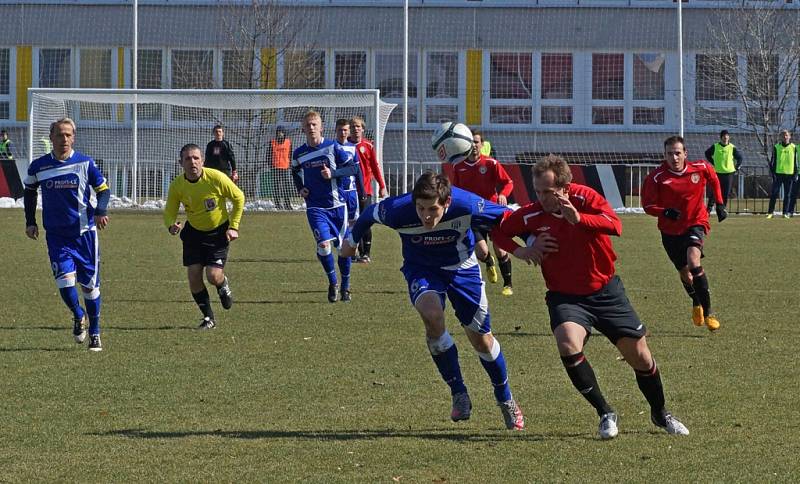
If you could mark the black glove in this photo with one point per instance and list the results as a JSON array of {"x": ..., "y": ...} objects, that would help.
[
  {"x": 722, "y": 214},
  {"x": 671, "y": 213}
]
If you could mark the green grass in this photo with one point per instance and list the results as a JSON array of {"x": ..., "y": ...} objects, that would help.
[{"x": 290, "y": 387}]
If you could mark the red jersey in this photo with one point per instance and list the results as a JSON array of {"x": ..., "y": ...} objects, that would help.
[
  {"x": 585, "y": 259},
  {"x": 369, "y": 165},
  {"x": 482, "y": 177},
  {"x": 684, "y": 191}
]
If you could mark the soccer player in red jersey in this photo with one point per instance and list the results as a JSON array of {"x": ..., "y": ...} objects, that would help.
[
  {"x": 571, "y": 224},
  {"x": 486, "y": 177},
  {"x": 675, "y": 193},
  {"x": 369, "y": 168}
]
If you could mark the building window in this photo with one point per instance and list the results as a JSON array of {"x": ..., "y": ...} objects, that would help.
[
  {"x": 95, "y": 72},
  {"x": 715, "y": 78},
  {"x": 55, "y": 68},
  {"x": 653, "y": 116},
  {"x": 149, "y": 75},
  {"x": 5, "y": 83},
  {"x": 556, "y": 114},
  {"x": 510, "y": 76},
  {"x": 762, "y": 77},
  {"x": 192, "y": 69},
  {"x": 608, "y": 115},
  {"x": 304, "y": 70},
  {"x": 608, "y": 76},
  {"x": 510, "y": 114},
  {"x": 350, "y": 70},
  {"x": 238, "y": 71},
  {"x": 556, "y": 77},
  {"x": 389, "y": 80},
  {"x": 648, "y": 77},
  {"x": 441, "y": 87},
  {"x": 705, "y": 116}
]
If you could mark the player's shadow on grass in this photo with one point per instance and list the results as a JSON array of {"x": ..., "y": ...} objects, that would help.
[
  {"x": 275, "y": 261},
  {"x": 523, "y": 334},
  {"x": 355, "y": 293},
  {"x": 345, "y": 435},
  {"x": 15, "y": 350}
]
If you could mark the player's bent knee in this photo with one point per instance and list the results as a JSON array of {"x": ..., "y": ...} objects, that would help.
[
  {"x": 90, "y": 292},
  {"x": 324, "y": 249},
  {"x": 65, "y": 280},
  {"x": 441, "y": 344}
]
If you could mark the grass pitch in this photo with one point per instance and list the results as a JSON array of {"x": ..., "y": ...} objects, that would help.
[{"x": 290, "y": 387}]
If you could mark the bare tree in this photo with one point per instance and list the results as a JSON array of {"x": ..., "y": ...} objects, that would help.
[{"x": 754, "y": 62}]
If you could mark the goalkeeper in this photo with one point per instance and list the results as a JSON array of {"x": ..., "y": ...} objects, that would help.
[
  {"x": 209, "y": 228},
  {"x": 675, "y": 193}
]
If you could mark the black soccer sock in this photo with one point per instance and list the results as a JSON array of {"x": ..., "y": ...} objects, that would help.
[
  {"x": 700, "y": 284},
  {"x": 203, "y": 302},
  {"x": 366, "y": 240},
  {"x": 690, "y": 291},
  {"x": 505, "y": 270},
  {"x": 650, "y": 384},
  {"x": 584, "y": 380},
  {"x": 488, "y": 260}
]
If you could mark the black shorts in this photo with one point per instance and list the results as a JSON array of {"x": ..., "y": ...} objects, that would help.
[
  {"x": 205, "y": 248},
  {"x": 676, "y": 245},
  {"x": 481, "y": 234},
  {"x": 608, "y": 310}
]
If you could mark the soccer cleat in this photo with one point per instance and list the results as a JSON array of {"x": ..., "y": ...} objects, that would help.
[
  {"x": 79, "y": 329},
  {"x": 512, "y": 415},
  {"x": 491, "y": 270},
  {"x": 672, "y": 425},
  {"x": 94, "y": 343},
  {"x": 207, "y": 323},
  {"x": 462, "y": 407},
  {"x": 333, "y": 293},
  {"x": 345, "y": 296},
  {"x": 712, "y": 323},
  {"x": 697, "y": 315},
  {"x": 364, "y": 259},
  {"x": 786, "y": 215},
  {"x": 225, "y": 294},
  {"x": 608, "y": 426},
  {"x": 770, "y": 215},
  {"x": 507, "y": 291}
]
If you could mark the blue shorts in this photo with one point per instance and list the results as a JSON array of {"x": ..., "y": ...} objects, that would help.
[
  {"x": 327, "y": 224},
  {"x": 351, "y": 198},
  {"x": 463, "y": 287},
  {"x": 79, "y": 255}
]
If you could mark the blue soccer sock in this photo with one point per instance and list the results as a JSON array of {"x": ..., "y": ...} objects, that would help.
[
  {"x": 329, "y": 267},
  {"x": 70, "y": 297},
  {"x": 93, "y": 310},
  {"x": 495, "y": 365},
  {"x": 445, "y": 356},
  {"x": 344, "y": 271}
]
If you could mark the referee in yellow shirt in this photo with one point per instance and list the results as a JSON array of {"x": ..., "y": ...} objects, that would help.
[{"x": 209, "y": 228}]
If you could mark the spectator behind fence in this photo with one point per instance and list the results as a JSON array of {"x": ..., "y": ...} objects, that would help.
[
  {"x": 726, "y": 160},
  {"x": 280, "y": 160},
  {"x": 6, "y": 147},
  {"x": 784, "y": 169},
  {"x": 219, "y": 154}
]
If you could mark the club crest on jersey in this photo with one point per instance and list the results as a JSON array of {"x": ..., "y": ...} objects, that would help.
[
  {"x": 210, "y": 204},
  {"x": 695, "y": 178},
  {"x": 362, "y": 149},
  {"x": 441, "y": 152},
  {"x": 483, "y": 170}
]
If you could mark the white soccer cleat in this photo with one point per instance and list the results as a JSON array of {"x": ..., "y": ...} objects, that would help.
[
  {"x": 672, "y": 425},
  {"x": 608, "y": 426}
]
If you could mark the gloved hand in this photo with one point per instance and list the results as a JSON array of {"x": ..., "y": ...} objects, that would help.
[
  {"x": 722, "y": 214},
  {"x": 671, "y": 213}
]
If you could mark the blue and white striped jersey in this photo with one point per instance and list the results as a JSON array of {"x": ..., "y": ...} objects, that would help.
[
  {"x": 450, "y": 245},
  {"x": 307, "y": 163},
  {"x": 66, "y": 190},
  {"x": 349, "y": 183}
]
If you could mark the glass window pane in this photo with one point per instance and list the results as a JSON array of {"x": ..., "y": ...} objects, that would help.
[
  {"x": 149, "y": 76},
  {"x": 510, "y": 76},
  {"x": 441, "y": 114},
  {"x": 238, "y": 71},
  {"x": 350, "y": 70},
  {"x": 510, "y": 114},
  {"x": 714, "y": 116},
  {"x": 4, "y": 114},
  {"x": 389, "y": 74},
  {"x": 557, "y": 76},
  {"x": 648, "y": 115},
  {"x": 762, "y": 77},
  {"x": 192, "y": 69},
  {"x": 54, "y": 68},
  {"x": 556, "y": 114},
  {"x": 608, "y": 76},
  {"x": 397, "y": 113},
  {"x": 716, "y": 77},
  {"x": 95, "y": 70},
  {"x": 304, "y": 70},
  {"x": 608, "y": 115},
  {"x": 5, "y": 71},
  {"x": 648, "y": 76},
  {"x": 442, "y": 77}
]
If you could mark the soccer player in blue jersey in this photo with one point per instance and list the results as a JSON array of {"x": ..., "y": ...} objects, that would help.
[
  {"x": 436, "y": 224},
  {"x": 66, "y": 178},
  {"x": 352, "y": 186},
  {"x": 317, "y": 167}
]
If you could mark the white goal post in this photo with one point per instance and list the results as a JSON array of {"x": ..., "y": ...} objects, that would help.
[{"x": 137, "y": 149}]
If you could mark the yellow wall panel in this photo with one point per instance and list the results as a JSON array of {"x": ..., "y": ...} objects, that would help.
[
  {"x": 269, "y": 69},
  {"x": 24, "y": 79},
  {"x": 474, "y": 86}
]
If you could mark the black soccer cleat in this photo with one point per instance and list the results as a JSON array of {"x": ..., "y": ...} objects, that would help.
[
  {"x": 225, "y": 295},
  {"x": 345, "y": 296},
  {"x": 207, "y": 323},
  {"x": 94, "y": 343},
  {"x": 333, "y": 293}
]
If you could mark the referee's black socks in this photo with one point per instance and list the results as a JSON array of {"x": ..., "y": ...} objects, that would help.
[{"x": 203, "y": 302}]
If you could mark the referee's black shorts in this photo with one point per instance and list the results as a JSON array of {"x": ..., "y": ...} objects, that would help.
[
  {"x": 676, "y": 245},
  {"x": 207, "y": 248},
  {"x": 607, "y": 310}
]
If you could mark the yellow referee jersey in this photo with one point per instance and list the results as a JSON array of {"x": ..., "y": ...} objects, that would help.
[{"x": 204, "y": 200}]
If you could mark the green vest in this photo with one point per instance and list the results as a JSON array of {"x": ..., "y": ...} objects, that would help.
[
  {"x": 486, "y": 149},
  {"x": 48, "y": 146},
  {"x": 784, "y": 159},
  {"x": 5, "y": 152},
  {"x": 723, "y": 158}
]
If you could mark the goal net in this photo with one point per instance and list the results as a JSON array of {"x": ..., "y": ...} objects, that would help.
[{"x": 139, "y": 152}]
